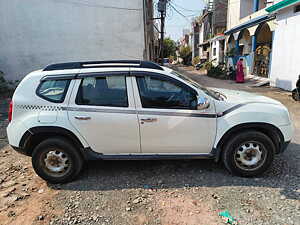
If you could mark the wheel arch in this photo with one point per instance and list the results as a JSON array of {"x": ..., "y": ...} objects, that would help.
[
  {"x": 36, "y": 135},
  {"x": 268, "y": 129}
]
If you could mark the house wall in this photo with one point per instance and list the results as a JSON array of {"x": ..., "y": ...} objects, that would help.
[
  {"x": 241, "y": 11},
  {"x": 35, "y": 33},
  {"x": 215, "y": 48},
  {"x": 285, "y": 54},
  {"x": 246, "y": 8},
  {"x": 219, "y": 16},
  {"x": 233, "y": 13}
]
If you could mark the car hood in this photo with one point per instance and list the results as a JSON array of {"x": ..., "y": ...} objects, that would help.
[{"x": 238, "y": 97}]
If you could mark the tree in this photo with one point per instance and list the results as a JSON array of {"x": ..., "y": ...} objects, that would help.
[
  {"x": 185, "y": 53},
  {"x": 169, "y": 48}
]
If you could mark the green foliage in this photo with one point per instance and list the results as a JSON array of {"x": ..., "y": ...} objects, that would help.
[
  {"x": 185, "y": 53},
  {"x": 6, "y": 87},
  {"x": 196, "y": 60},
  {"x": 3, "y": 84},
  {"x": 169, "y": 48},
  {"x": 217, "y": 71},
  {"x": 208, "y": 65}
]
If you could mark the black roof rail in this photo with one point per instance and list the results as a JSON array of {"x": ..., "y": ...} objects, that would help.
[{"x": 110, "y": 63}]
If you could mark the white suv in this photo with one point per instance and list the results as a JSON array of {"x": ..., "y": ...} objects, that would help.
[{"x": 70, "y": 113}]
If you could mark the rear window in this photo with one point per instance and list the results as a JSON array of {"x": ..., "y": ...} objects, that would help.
[
  {"x": 53, "y": 90},
  {"x": 103, "y": 91}
]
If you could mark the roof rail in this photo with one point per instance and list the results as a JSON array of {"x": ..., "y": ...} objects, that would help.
[{"x": 97, "y": 64}]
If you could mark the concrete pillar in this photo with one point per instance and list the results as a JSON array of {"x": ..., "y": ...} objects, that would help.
[
  {"x": 253, "y": 43},
  {"x": 271, "y": 54},
  {"x": 253, "y": 49},
  {"x": 255, "y": 5},
  {"x": 237, "y": 47}
]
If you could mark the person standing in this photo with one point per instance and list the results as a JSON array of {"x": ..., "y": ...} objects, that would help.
[{"x": 240, "y": 76}]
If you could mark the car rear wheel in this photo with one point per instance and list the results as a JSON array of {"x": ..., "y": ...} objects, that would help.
[
  {"x": 56, "y": 160},
  {"x": 249, "y": 154}
]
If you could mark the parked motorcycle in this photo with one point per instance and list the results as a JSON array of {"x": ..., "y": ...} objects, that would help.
[{"x": 296, "y": 91}]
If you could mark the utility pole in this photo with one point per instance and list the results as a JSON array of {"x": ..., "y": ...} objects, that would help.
[{"x": 162, "y": 7}]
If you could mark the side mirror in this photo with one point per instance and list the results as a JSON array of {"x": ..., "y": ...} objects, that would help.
[{"x": 202, "y": 103}]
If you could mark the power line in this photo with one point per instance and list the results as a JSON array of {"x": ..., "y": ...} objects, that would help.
[
  {"x": 185, "y": 16},
  {"x": 191, "y": 10},
  {"x": 82, "y": 2},
  {"x": 180, "y": 13}
]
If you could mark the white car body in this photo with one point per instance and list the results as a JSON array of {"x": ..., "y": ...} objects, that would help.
[
  {"x": 137, "y": 130},
  {"x": 113, "y": 133}
]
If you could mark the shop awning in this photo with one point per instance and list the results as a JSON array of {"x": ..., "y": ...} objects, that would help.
[
  {"x": 281, "y": 5},
  {"x": 250, "y": 23}
]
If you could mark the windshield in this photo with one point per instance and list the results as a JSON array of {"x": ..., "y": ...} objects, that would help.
[{"x": 209, "y": 92}]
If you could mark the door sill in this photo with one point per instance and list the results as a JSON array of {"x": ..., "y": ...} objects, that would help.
[{"x": 92, "y": 155}]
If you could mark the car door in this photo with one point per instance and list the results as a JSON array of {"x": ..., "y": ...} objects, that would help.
[
  {"x": 168, "y": 117},
  {"x": 102, "y": 109}
]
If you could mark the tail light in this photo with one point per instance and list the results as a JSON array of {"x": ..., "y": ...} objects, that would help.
[{"x": 10, "y": 111}]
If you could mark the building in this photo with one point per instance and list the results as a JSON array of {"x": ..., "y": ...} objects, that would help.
[
  {"x": 285, "y": 55},
  {"x": 35, "y": 33},
  {"x": 208, "y": 32},
  {"x": 185, "y": 40},
  {"x": 250, "y": 32}
]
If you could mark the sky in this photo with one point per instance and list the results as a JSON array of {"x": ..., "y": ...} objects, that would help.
[{"x": 175, "y": 23}]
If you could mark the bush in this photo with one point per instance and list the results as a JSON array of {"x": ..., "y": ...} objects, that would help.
[
  {"x": 6, "y": 87},
  {"x": 217, "y": 72},
  {"x": 3, "y": 84},
  {"x": 208, "y": 65},
  {"x": 196, "y": 60}
]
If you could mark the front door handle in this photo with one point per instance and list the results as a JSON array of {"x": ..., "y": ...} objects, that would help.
[
  {"x": 82, "y": 117},
  {"x": 149, "y": 120}
]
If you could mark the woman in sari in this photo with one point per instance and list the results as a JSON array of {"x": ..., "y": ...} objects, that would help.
[{"x": 240, "y": 71}]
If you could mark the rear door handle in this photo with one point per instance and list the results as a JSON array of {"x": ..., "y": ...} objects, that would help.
[
  {"x": 82, "y": 117},
  {"x": 149, "y": 120}
]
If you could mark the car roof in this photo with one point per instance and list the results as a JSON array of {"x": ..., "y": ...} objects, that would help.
[
  {"x": 104, "y": 64},
  {"x": 71, "y": 70}
]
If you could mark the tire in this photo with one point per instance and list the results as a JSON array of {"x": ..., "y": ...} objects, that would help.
[
  {"x": 245, "y": 149},
  {"x": 296, "y": 95},
  {"x": 56, "y": 160}
]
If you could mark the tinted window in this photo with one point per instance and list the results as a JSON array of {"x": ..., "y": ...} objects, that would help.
[
  {"x": 53, "y": 90},
  {"x": 164, "y": 94},
  {"x": 103, "y": 91}
]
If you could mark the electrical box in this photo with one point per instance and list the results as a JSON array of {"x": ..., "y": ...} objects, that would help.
[{"x": 161, "y": 5}]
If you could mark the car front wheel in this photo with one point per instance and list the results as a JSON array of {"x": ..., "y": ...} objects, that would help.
[
  {"x": 56, "y": 160},
  {"x": 249, "y": 154}
]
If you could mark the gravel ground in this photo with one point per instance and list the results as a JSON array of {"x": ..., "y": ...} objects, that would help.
[
  {"x": 165, "y": 192},
  {"x": 3, "y": 121}
]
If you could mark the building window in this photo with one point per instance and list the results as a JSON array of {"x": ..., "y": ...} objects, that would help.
[
  {"x": 297, "y": 8},
  {"x": 215, "y": 51}
]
